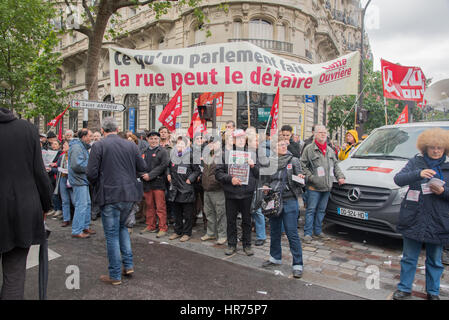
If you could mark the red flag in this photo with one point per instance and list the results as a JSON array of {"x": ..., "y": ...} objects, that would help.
[
  {"x": 172, "y": 110},
  {"x": 196, "y": 124},
  {"x": 205, "y": 98},
  {"x": 219, "y": 106},
  {"x": 403, "y": 117},
  {"x": 54, "y": 122},
  {"x": 402, "y": 83},
  {"x": 274, "y": 113}
]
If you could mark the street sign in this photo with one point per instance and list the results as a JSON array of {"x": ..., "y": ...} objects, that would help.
[
  {"x": 95, "y": 105},
  {"x": 310, "y": 98}
]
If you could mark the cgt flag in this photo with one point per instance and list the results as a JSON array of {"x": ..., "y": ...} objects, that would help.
[
  {"x": 55, "y": 121},
  {"x": 403, "y": 117},
  {"x": 274, "y": 114},
  {"x": 402, "y": 83},
  {"x": 196, "y": 125},
  {"x": 171, "y": 111}
]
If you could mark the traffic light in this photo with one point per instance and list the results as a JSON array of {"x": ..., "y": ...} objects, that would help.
[{"x": 206, "y": 112}]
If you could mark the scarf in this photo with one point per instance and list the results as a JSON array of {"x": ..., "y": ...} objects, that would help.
[
  {"x": 435, "y": 164},
  {"x": 322, "y": 147}
]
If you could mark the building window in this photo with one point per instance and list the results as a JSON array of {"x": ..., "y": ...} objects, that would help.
[
  {"x": 281, "y": 33},
  {"x": 158, "y": 101},
  {"x": 260, "y": 29},
  {"x": 237, "y": 29},
  {"x": 200, "y": 35},
  {"x": 131, "y": 102},
  {"x": 73, "y": 120},
  {"x": 105, "y": 114},
  {"x": 260, "y": 107}
]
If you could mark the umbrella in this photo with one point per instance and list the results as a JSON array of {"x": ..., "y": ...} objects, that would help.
[
  {"x": 437, "y": 94},
  {"x": 43, "y": 265}
]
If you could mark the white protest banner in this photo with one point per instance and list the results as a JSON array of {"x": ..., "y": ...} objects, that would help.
[{"x": 228, "y": 67}]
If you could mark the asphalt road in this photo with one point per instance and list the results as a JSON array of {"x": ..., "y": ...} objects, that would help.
[{"x": 162, "y": 272}]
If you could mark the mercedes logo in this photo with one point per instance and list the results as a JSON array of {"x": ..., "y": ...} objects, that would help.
[{"x": 354, "y": 194}]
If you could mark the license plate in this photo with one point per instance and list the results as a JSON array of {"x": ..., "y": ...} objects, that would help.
[{"x": 353, "y": 213}]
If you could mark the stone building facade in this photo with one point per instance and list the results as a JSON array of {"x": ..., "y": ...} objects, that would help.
[{"x": 306, "y": 31}]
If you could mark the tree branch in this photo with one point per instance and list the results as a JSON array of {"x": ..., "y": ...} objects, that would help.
[
  {"x": 126, "y": 3},
  {"x": 84, "y": 30},
  {"x": 89, "y": 14}
]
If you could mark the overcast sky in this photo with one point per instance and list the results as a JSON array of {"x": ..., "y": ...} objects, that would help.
[{"x": 412, "y": 33}]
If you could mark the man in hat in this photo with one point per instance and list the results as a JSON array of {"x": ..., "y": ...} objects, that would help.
[
  {"x": 157, "y": 159},
  {"x": 51, "y": 136}
]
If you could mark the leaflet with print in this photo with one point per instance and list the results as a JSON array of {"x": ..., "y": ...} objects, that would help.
[
  {"x": 238, "y": 165},
  {"x": 48, "y": 156}
]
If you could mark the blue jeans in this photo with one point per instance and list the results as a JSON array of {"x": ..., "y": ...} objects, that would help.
[
  {"x": 259, "y": 221},
  {"x": 56, "y": 201},
  {"x": 289, "y": 218},
  {"x": 81, "y": 218},
  {"x": 118, "y": 243},
  {"x": 434, "y": 268},
  {"x": 315, "y": 211},
  {"x": 66, "y": 196}
]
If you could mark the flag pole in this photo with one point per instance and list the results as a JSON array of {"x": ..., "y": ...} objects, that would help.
[
  {"x": 249, "y": 114},
  {"x": 386, "y": 114}
]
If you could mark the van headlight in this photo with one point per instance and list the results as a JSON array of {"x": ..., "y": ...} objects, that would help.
[{"x": 400, "y": 195}]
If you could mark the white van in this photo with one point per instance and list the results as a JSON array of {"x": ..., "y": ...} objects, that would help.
[{"x": 370, "y": 200}]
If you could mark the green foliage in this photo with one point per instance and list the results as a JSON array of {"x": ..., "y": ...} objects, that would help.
[
  {"x": 28, "y": 65},
  {"x": 342, "y": 111}
]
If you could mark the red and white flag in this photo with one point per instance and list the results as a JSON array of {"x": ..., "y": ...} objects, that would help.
[
  {"x": 274, "y": 114},
  {"x": 172, "y": 110},
  {"x": 402, "y": 83},
  {"x": 196, "y": 124},
  {"x": 55, "y": 121},
  {"x": 219, "y": 96},
  {"x": 403, "y": 117}
]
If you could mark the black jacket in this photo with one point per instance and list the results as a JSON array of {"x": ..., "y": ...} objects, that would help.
[
  {"x": 181, "y": 169},
  {"x": 112, "y": 171},
  {"x": 292, "y": 188},
  {"x": 425, "y": 220},
  {"x": 237, "y": 192},
  {"x": 25, "y": 189},
  {"x": 157, "y": 162}
]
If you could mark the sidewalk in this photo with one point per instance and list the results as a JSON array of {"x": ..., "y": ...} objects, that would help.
[{"x": 339, "y": 264}]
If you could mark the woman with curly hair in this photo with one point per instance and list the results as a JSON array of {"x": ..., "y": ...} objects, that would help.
[{"x": 424, "y": 217}]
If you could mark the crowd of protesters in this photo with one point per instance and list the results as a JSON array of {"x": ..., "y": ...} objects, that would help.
[
  {"x": 172, "y": 179},
  {"x": 177, "y": 179}
]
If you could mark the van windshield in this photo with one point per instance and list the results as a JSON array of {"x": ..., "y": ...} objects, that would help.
[{"x": 391, "y": 143}]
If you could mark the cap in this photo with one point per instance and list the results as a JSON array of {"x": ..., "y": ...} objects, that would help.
[
  {"x": 51, "y": 134},
  {"x": 238, "y": 133},
  {"x": 153, "y": 133},
  {"x": 42, "y": 135}
]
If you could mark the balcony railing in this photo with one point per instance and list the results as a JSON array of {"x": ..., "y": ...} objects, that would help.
[
  {"x": 197, "y": 44},
  {"x": 72, "y": 82},
  {"x": 351, "y": 47},
  {"x": 268, "y": 44}
]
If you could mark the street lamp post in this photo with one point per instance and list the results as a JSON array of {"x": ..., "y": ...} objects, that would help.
[{"x": 359, "y": 128}]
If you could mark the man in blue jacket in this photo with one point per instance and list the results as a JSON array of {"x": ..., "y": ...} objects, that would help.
[
  {"x": 78, "y": 158},
  {"x": 112, "y": 170}
]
